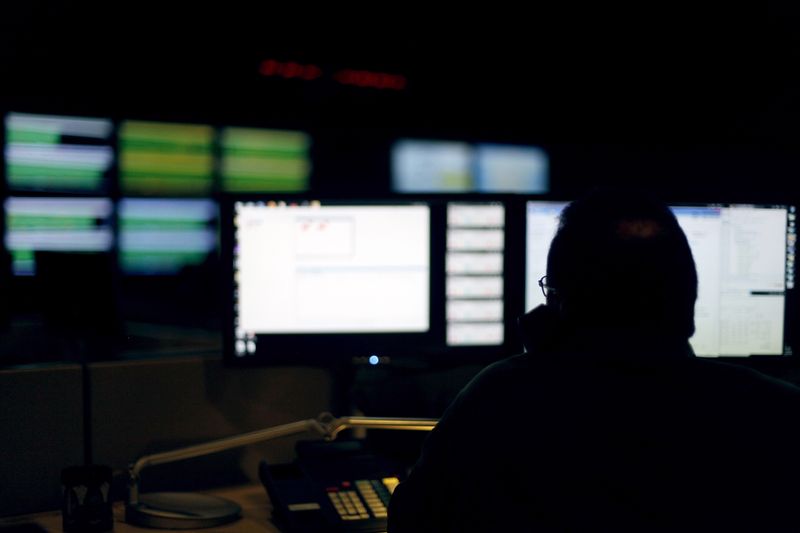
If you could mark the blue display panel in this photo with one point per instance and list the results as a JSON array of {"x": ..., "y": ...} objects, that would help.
[
  {"x": 163, "y": 236},
  {"x": 509, "y": 168},
  {"x": 431, "y": 166},
  {"x": 420, "y": 166},
  {"x": 56, "y": 224}
]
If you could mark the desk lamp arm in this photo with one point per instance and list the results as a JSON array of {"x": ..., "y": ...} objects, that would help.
[
  {"x": 325, "y": 425},
  {"x": 372, "y": 422}
]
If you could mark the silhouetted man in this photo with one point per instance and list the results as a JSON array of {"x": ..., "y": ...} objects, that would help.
[{"x": 608, "y": 422}]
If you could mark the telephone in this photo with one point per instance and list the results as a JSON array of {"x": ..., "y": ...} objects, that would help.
[{"x": 331, "y": 487}]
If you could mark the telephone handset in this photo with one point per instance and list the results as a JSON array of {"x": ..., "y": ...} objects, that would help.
[{"x": 331, "y": 486}]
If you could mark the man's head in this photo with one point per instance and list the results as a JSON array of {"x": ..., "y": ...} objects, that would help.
[{"x": 620, "y": 260}]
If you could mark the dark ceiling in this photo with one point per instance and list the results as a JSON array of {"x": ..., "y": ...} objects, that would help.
[{"x": 655, "y": 76}]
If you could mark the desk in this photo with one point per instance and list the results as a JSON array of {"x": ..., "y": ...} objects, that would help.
[{"x": 256, "y": 512}]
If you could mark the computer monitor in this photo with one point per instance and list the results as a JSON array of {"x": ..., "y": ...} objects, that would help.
[
  {"x": 475, "y": 273},
  {"x": 163, "y": 236},
  {"x": 165, "y": 159},
  {"x": 425, "y": 166},
  {"x": 745, "y": 257},
  {"x": 422, "y": 278},
  {"x": 511, "y": 168},
  {"x": 745, "y": 264},
  {"x": 323, "y": 279},
  {"x": 541, "y": 223},
  {"x": 58, "y": 225},
  {"x": 58, "y": 153},
  {"x": 431, "y": 166},
  {"x": 261, "y": 160}
]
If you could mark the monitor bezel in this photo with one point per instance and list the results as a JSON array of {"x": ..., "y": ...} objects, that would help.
[{"x": 428, "y": 349}]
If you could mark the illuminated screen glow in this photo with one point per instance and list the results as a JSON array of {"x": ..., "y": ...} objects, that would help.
[
  {"x": 55, "y": 224},
  {"x": 163, "y": 236},
  {"x": 165, "y": 159},
  {"x": 442, "y": 166},
  {"x": 260, "y": 160},
  {"x": 57, "y": 154},
  {"x": 431, "y": 166},
  {"x": 744, "y": 256},
  {"x": 541, "y": 226},
  {"x": 741, "y": 258},
  {"x": 312, "y": 268},
  {"x": 474, "y": 274},
  {"x": 507, "y": 168}
]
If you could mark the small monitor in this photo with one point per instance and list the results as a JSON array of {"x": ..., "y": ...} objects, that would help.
[
  {"x": 432, "y": 166},
  {"x": 509, "y": 168},
  {"x": 58, "y": 154},
  {"x": 420, "y": 166},
  {"x": 327, "y": 279},
  {"x": 745, "y": 257},
  {"x": 260, "y": 160},
  {"x": 474, "y": 279},
  {"x": 164, "y": 159},
  {"x": 58, "y": 225},
  {"x": 163, "y": 236}
]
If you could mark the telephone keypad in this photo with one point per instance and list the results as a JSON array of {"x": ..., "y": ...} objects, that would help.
[
  {"x": 350, "y": 503},
  {"x": 347, "y": 504},
  {"x": 376, "y": 504}
]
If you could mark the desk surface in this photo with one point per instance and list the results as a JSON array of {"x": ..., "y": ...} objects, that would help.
[{"x": 256, "y": 512}]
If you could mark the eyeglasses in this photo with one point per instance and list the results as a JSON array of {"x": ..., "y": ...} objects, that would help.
[{"x": 547, "y": 290}]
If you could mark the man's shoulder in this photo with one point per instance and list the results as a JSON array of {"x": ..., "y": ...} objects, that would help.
[
  {"x": 501, "y": 373},
  {"x": 492, "y": 387},
  {"x": 739, "y": 377},
  {"x": 531, "y": 373}
]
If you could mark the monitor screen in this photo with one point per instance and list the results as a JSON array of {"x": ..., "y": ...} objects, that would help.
[
  {"x": 445, "y": 166},
  {"x": 163, "y": 236},
  {"x": 431, "y": 166},
  {"x": 745, "y": 266},
  {"x": 744, "y": 256},
  {"x": 58, "y": 154},
  {"x": 540, "y": 227},
  {"x": 510, "y": 168},
  {"x": 158, "y": 159},
  {"x": 474, "y": 266},
  {"x": 259, "y": 160},
  {"x": 56, "y": 224},
  {"x": 329, "y": 269}
]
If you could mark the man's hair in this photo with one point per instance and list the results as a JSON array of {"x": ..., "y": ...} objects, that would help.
[{"x": 619, "y": 259}]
